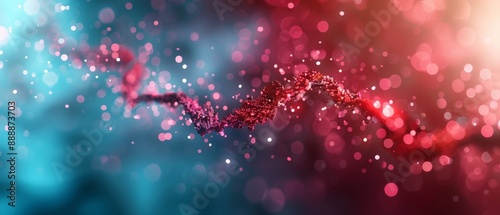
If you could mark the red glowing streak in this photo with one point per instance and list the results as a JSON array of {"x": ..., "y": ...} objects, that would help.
[{"x": 263, "y": 108}]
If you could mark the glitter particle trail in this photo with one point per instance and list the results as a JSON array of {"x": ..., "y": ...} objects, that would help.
[
  {"x": 252, "y": 111},
  {"x": 264, "y": 108}
]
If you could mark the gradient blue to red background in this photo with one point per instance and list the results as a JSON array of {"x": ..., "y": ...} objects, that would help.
[{"x": 434, "y": 60}]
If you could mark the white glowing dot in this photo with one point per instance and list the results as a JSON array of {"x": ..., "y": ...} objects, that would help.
[
  {"x": 73, "y": 28},
  {"x": 239, "y": 86},
  {"x": 485, "y": 74},
  {"x": 377, "y": 157},
  {"x": 447, "y": 115},
  {"x": 50, "y": 78},
  {"x": 66, "y": 105},
  {"x": 31, "y": 7},
  {"x": 269, "y": 139},
  {"x": 184, "y": 66},
  {"x": 14, "y": 91},
  {"x": 184, "y": 80},
  {"x": 60, "y": 40},
  {"x": 341, "y": 13},
  {"x": 468, "y": 68},
  {"x": 228, "y": 161},
  {"x": 388, "y": 111}
]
